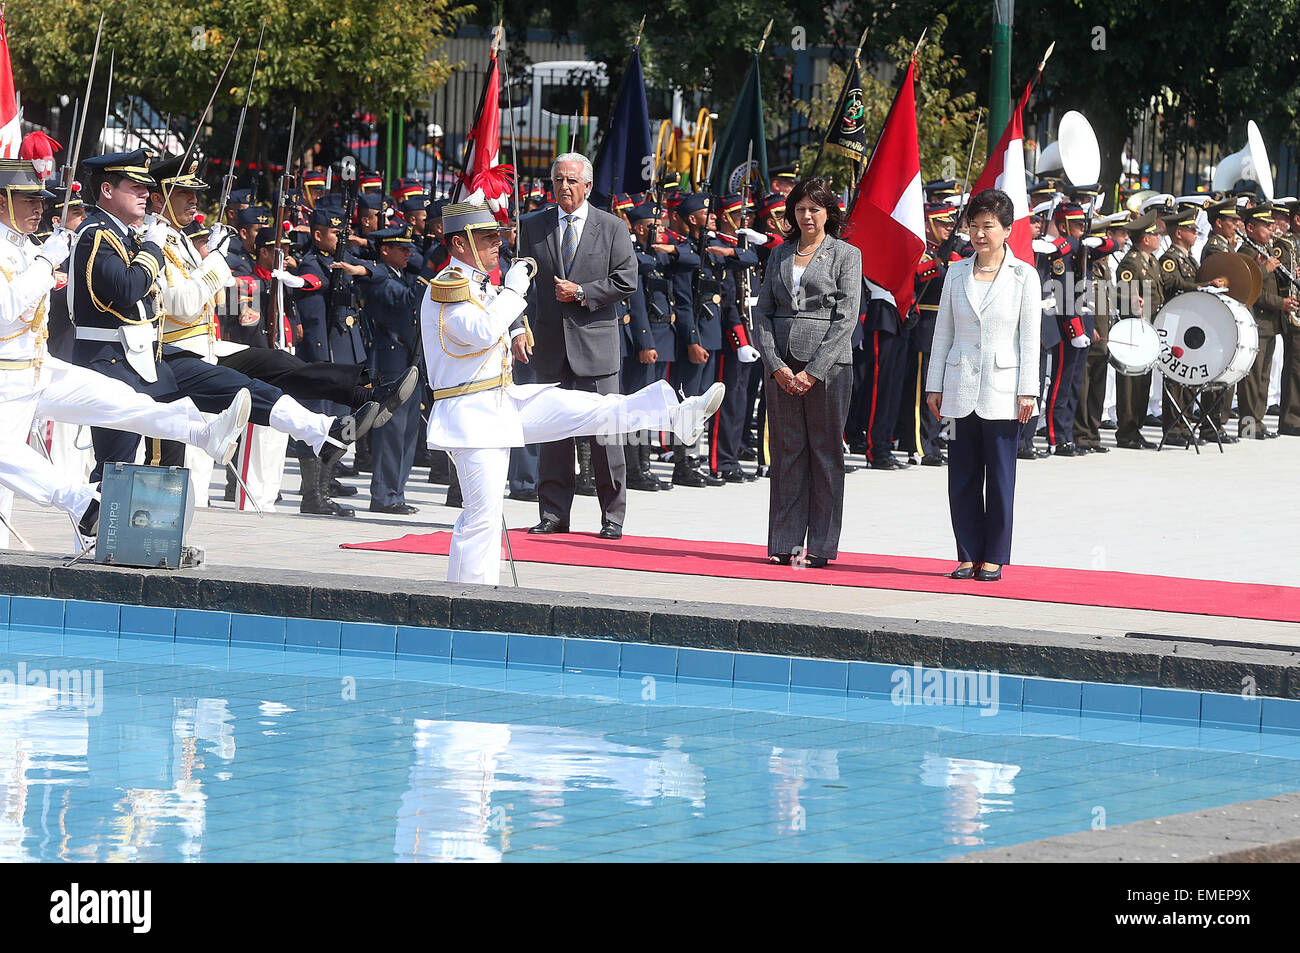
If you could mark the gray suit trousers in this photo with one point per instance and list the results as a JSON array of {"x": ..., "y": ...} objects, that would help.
[
  {"x": 805, "y": 434},
  {"x": 555, "y": 462}
]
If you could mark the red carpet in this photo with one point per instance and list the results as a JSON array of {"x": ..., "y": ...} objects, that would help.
[{"x": 909, "y": 573}]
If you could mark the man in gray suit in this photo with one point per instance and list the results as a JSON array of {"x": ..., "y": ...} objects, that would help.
[{"x": 585, "y": 266}]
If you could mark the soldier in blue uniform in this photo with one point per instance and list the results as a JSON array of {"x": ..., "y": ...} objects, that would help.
[
  {"x": 113, "y": 297},
  {"x": 1048, "y": 262},
  {"x": 392, "y": 306},
  {"x": 737, "y": 356},
  {"x": 918, "y": 430},
  {"x": 241, "y": 255}
]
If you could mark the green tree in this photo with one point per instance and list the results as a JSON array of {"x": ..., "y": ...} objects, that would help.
[
  {"x": 945, "y": 120},
  {"x": 329, "y": 59}
]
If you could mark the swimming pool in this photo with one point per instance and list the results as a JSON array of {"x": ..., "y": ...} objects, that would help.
[{"x": 171, "y": 746}]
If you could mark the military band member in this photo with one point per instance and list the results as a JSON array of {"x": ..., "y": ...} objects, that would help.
[
  {"x": 1288, "y": 421},
  {"x": 1069, "y": 354},
  {"x": 1273, "y": 308},
  {"x": 1050, "y": 267},
  {"x": 1141, "y": 294},
  {"x": 36, "y": 384},
  {"x": 478, "y": 413},
  {"x": 1102, "y": 298}
]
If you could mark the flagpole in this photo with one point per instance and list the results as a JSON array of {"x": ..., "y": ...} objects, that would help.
[
  {"x": 866, "y": 162},
  {"x": 839, "y": 105}
]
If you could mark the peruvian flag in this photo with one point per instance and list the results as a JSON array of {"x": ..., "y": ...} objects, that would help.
[
  {"x": 887, "y": 222},
  {"x": 1006, "y": 171},
  {"x": 482, "y": 148},
  {"x": 10, "y": 126}
]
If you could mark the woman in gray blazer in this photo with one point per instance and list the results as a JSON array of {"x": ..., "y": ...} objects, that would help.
[
  {"x": 803, "y": 325},
  {"x": 984, "y": 375}
]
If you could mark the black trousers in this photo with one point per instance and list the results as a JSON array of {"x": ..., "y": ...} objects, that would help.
[
  {"x": 917, "y": 429},
  {"x": 1066, "y": 362},
  {"x": 1092, "y": 399},
  {"x": 885, "y": 357},
  {"x": 555, "y": 462},
  {"x": 211, "y": 386}
]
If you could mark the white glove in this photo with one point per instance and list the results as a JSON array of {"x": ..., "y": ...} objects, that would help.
[
  {"x": 55, "y": 249},
  {"x": 1092, "y": 241},
  {"x": 747, "y": 354},
  {"x": 1043, "y": 246},
  {"x": 155, "y": 232},
  {"x": 219, "y": 238},
  {"x": 1081, "y": 341},
  {"x": 517, "y": 279},
  {"x": 755, "y": 238},
  {"x": 287, "y": 279}
]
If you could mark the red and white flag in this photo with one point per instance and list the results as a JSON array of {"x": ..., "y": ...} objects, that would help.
[
  {"x": 483, "y": 146},
  {"x": 11, "y": 134},
  {"x": 887, "y": 222},
  {"x": 1006, "y": 171}
]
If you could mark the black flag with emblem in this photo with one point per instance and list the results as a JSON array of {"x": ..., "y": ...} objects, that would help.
[{"x": 847, "y": 132}]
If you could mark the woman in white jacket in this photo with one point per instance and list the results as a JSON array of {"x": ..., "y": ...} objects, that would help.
[{"x": 984, "y": 375}]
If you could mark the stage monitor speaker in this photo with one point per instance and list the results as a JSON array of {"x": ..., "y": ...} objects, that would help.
[{"x": 144, "y": 514}]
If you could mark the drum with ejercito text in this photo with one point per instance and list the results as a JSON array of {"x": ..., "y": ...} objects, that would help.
[
  {"x": 1132, "y": 347},
  {"x": 1206, "y": 339}
]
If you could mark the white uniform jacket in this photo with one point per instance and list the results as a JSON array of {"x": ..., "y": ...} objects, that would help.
[
  {"x": 24, "y": 300},
  {"x": 190, "y": 286},
  {"x": 470, "y": 341},
  {"x": 985, "y": 350}
]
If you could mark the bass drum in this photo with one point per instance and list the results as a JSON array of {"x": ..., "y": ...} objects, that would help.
[
  {"x": 1133, "y": 347},
  {"x": 1206, "y": 338}
]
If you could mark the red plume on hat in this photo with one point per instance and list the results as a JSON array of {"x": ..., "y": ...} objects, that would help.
[{"x": 40, "y": 149}]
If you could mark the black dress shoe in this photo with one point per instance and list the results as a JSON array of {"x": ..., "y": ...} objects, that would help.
[
  {"x": 886, "y": 463},
  {"x": 347, "y": 430},
  {"x": 732, "y": 476},
  {"x": 748, "y": 453},
  {"x": 397, "y": 509},
  {"x": 815, "y": 562},
  {"x": 1026, "y": 455},
  {"x": 347, "y": 469},
  {"x": 983, "y": 575},
  {"x": 1040, "y": 453},
  {"x": 524, "y": 496},
  {"x": 962, "y": 572},
  {"x": 850, "y": 468},
  {"x": 685, "y": 476},
  {"x": 640, "y": 480},
  {"x": 782, "y": 559},
  {"x": 1131, "y": 443},
  {"x": 860, "y": 448},
  {"x": 932, "y": 460},
  {"x": 1107, "y": 425},
  {"x": 341, "y": 489},
  {"x": 1065, "y": 450},
  {"x": 1098, "y": 448},
  {"x": 1177, "y": 440},
  {"x": 610, "y": 530},
  {"x": 549, "y": 525},
  {"x": 392, "y": 396}
]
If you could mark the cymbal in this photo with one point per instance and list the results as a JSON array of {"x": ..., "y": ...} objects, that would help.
[
  {"x": 1256, "y": 277},
  {"x": 1242, "y": 282}
]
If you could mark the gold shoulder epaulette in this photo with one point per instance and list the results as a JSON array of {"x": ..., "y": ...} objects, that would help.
[{"x": 453, "y": 286}]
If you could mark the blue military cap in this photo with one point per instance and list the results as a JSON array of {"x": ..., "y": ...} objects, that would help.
[
  {"x": 197, "y": 230},
  {"x": 417, "y": 203},
  {"x": 692, "y": 202},
  {"x": 253, "y": 215},
  {"x": 130, "y": 165},
  {"x": 397, "y": 235},
  {"x": 267, "y": 236},
  {"x": 327, "y": 216},
  {"x": 370, "y": 201},
  {"x": 55, "y": 189},
  {"x": 435, "y": 208},
  {"x": 639, "y": 213},
  {"x": 241, "y": 196}
]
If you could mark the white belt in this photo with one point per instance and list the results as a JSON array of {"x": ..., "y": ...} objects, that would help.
[
  {"x": 99, "y": 334},
  {"x": 137, "y": 343}
]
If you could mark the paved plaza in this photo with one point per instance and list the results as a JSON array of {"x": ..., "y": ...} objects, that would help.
[{"x": 1227, "y": 516}]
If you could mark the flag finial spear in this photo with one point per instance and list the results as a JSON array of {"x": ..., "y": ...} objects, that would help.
[
  {"x": 1046, "y": 56},
  {"x": 639, "y": 30},
  {"x": 763, "y": 42},
  {"x": 917, "y": 49},
  {"x": 497, "y": 34}
]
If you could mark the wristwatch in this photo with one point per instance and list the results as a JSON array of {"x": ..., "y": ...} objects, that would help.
[{"x": 579, "y": 295}]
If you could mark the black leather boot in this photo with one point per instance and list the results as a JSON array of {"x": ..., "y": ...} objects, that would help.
[
  {"x": 638, "y": 477},
  {"x": 440, "y": 469},
  {"x": 454, "y": 498},
  {"x": 585, "y": 484}
]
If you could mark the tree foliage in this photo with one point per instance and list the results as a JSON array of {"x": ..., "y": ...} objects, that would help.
[
  {"x": 329, "y": 59},
  {"x": 945, "y": 120}
]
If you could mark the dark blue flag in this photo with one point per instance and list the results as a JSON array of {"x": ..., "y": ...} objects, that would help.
[{"x": 626, "y": 158}]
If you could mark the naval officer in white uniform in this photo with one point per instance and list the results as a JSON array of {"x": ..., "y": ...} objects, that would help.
[{"x": 478, "y": 413}]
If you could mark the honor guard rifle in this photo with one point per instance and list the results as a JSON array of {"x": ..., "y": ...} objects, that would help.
[{"x": 281, "y": 335}]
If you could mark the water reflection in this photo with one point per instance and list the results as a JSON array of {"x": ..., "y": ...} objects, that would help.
[{"x": 971, "y": 794}]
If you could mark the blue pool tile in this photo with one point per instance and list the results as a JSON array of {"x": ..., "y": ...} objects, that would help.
[
  {"x": 544, "y": 650},
  {"x": 202, "y": 625},
  {"x": 149, "y": 622},
  {"x": 4, "y": 610},
  {"x": 704, "y": 693},
  {"x": 1107, "y": 727},
  {"x": 1112, "y": 699},
  {"x": 478, "y": 646},
  {"x": 91, "y": 618},
  {"x": 264, "y": 629},
  {"x": 1239, "y": 738},
  {"x": 1229, "y": 710},
  {"x": 369, "y": 637},
  {"x": 655, "y": 690},
  {"x": 592, "y": 655},
  {"x": 425, "y": 642},
  {"x": 641, "y": 659},
  {"x": 207, "y": 652},
  {"x": 32, "y": 612},
  {"x": 872, "y": 678},
  {"x": 1050, "y": 695},
  {"x": 819, "y": 675},
  {"x": 1170, "y": 704},
  {"x": 1051, "y": 721},
  {"x": 1280, "y": 714},
  {"x": 421, "y": 670},
  {"x": 1010, "y": 691},
  {"x": 760, "y": 699},
  {"x": 761, "y": 670},
  {"x": 78, "y": 645},
  {"x": 313, "y": 633},
  {"x": 706, "y": 665},
  {"x": 818, "y": 704}
]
